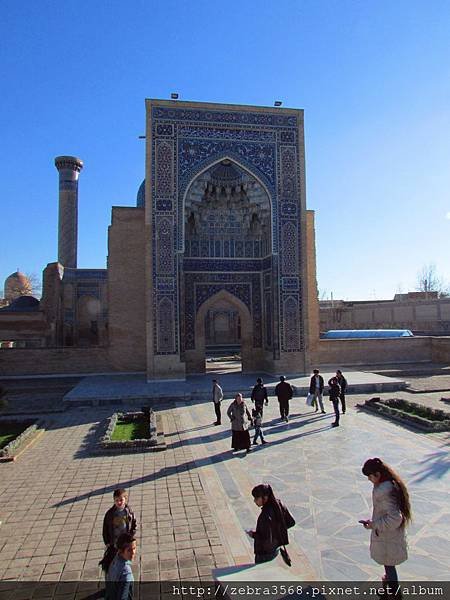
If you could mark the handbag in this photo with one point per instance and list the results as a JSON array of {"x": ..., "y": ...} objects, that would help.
[
  {"x": 284, "y": 553},
  {"x": 285, "y": 556},
  {"x": 309, "y": 399}
]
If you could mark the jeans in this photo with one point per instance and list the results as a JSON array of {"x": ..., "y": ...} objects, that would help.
[
  {"x": 258, "y": 433},
  {"x": 217, "y": 409},
  {"x": 335, "y": 402},
  {"x": 342, "y": 396},
  {"x": 260, "y": 558},
  {"x": 318, "y": 397}
]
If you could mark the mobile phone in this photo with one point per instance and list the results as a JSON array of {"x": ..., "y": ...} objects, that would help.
[{"x": 363, "y": 521}]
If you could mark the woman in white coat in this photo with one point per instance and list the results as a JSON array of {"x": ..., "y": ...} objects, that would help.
[{"x": 391, "y": 513}]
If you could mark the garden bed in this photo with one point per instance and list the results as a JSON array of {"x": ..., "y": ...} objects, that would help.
[
  {"x": 133, "y": 432},
  {"x": 410, "y": 413},
  {"x": 16, "y": 435}
]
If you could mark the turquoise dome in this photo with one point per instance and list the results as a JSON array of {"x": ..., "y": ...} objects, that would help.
[{"x": 140, "y": 198}]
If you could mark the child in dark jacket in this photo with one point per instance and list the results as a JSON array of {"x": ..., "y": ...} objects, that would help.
[
  {"x": 118, "y": 519},
  {"x": 257, "y": 422}
]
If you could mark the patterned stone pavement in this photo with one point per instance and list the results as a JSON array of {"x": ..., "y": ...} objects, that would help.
[
  {"x": 193, "y": 501},
  {"x": 316, "y": 470}
]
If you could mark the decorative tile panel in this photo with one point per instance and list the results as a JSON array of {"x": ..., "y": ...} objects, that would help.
[
  {"x": 165, "y": 326},
  {"x": 164, "y": 249},
  {"x": 291, "y": 325},
  {"x": 289, "y": 242},
  {"x": 164, "y": 168}
]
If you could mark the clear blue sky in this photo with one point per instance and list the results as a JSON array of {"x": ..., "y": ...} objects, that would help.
[{"x": 372, "y": 76}]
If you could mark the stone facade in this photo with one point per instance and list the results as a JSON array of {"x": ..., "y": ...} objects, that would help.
[{"x": 225, "y": 204}]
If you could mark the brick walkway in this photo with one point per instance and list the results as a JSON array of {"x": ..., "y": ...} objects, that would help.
[{"x": 54, "y": 497}]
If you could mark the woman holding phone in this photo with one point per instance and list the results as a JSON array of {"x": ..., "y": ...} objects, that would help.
[
  {"x": 272, "y": 525},
  {"x": 391, "y": 514}
]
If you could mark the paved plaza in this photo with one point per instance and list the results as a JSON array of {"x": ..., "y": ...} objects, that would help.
[{"x": 193, "y": 501}]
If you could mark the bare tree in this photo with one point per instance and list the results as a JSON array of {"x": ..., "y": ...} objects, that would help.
[
  {"x": 36, "y": 284},
  {"x": 428, "y": 280}
]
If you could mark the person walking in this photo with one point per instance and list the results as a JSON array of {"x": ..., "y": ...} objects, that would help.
[
  {"x": 316, "y": 386},
  {"x": 343, "y": 385},
  {"x": 334, "y": 391},
  {"x": 257, "y": 422},
  {"x": 217, "y": 396},
  {"x": 259, "y": 395},
  {"x": 390, "y": 516},
  {"x": 272, "y": 525},
  {"x": 119, "y": 578},
  {"x": 284, "y": 393},
  {"x": 117, "y": 520},
  {"x": 241, "y": 419}
]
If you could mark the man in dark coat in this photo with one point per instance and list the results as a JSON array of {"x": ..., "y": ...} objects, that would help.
[
  {"x": 316, "y": 386},
  {"x": 259, "y": 395},
  {"x": 335, "y": 391},
  {"x": 283, "y": 392},
  {"x": 343, "y": 385}
]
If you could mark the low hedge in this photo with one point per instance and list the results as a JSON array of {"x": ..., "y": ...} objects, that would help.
[
  {"x": 431, "y": 419},
  {"x": 11, "y": 448}
]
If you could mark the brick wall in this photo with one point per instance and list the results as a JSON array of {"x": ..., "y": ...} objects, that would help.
[
  {"x": 43, "y": 361},
  {"x": 127, "y": 279},
  {"x": 374, "y": 351},
  {"x": 440, "y": 350}
]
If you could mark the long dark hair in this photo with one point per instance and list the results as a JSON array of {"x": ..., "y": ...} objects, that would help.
[
  {"x": 376, "y": 465},
  {"x": 264, "y": 490}
]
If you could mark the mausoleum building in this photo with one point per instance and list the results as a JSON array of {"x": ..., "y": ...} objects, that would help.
[{"x": 217, "y": 253}]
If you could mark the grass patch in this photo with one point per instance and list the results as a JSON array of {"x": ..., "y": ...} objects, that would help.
[
  {"x": 9, "y": 431},
  {"x": 131, "y": 430}
]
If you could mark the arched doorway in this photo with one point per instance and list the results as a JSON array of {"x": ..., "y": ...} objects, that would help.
[
  {"x": 88, "y": 313},
  {"x": 196, "y": 359}
]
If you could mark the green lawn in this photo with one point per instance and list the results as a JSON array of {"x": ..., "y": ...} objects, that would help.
[
  {"x": 9, "y": 431},
  {"x": 136, "y": 430}
]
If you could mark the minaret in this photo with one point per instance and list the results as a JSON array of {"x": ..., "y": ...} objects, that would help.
[{"x": 69, "y": 168}]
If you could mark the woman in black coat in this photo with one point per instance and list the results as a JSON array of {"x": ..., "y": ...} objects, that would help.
[{"x": 272, "y": 525}]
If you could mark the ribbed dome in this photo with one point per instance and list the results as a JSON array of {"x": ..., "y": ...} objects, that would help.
[
  {"x": 17, "y": 284},
  {"x": 225, "y": 174},
  {"x": 140, "y": 198}
]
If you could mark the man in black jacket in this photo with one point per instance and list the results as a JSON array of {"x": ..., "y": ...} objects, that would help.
[
  {"x": 343, "y": 385},
  {"x": 283, "y": 392},
  {"x": 316, "y": 386},
  {"x": 259, "y": 395},
  {"x": 335, "y": 392}
]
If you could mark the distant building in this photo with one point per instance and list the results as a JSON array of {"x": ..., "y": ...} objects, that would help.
[{"x": 424, "y": 313}]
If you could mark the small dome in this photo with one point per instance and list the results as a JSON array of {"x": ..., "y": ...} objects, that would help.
[
  {"x": 140, "y": 198},
  {"x": 17, "y": 284}
]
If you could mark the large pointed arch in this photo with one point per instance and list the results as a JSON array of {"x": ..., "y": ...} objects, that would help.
[{"x": 209, "y": 164}]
